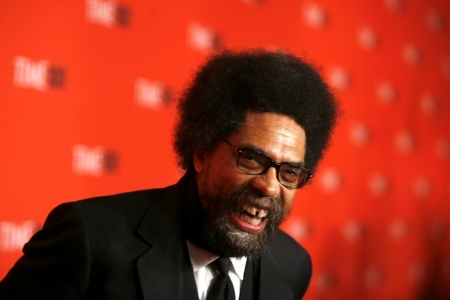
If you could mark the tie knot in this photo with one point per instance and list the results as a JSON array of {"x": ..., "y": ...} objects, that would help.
[{"x": 222, "y": 265}]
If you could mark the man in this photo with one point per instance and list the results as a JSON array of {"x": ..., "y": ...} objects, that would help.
[{"x": 253, "y": 126}]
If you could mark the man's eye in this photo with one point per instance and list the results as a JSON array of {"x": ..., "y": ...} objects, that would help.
[
  {"x": 291, "y": 172},
  {"x": 250, "y": 159}
]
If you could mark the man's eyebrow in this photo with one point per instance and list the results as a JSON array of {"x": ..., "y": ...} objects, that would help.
[{"x": 257, "y": 149}]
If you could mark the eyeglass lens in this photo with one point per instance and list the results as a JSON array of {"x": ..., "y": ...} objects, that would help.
[{"x": 256, "y": 163}]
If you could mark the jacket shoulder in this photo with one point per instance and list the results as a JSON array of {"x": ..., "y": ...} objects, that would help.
[
  {"x": 292, "y": 261},
  {"x": 287, "y": 249},
  {"x": 123, "y": 205}
]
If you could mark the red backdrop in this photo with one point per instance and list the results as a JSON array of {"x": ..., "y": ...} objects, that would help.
[{"x": 88, "y": 92}]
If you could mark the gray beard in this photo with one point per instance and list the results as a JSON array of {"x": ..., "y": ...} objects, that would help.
[{"x": 220, "y": 233}]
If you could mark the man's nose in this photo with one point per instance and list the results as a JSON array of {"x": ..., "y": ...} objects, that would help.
[{"x": 267, "y": 184}]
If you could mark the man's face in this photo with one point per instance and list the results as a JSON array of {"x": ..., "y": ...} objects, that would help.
[{"x": 243, "y": 210}]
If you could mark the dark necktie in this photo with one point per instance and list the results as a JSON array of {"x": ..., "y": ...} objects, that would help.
[{"x": 222, "y": 288}]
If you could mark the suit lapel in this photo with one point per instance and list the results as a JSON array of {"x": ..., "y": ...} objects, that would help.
[
  {"x": 272, "y": 285},
  {"x": 159, "y": 267}
]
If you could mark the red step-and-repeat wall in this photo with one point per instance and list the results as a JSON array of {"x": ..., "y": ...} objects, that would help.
[{"x": 88, "y": 90}]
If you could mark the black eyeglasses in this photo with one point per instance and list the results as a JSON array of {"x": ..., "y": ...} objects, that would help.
[{"x": 255, "y": 162}]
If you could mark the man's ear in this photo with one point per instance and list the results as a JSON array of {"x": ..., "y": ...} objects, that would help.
[{"x": 199, "y": 160}]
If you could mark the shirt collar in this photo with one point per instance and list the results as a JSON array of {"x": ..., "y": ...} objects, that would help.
[
  {"x": 239, "y": 266},
  {"x": 201, "y": 258}
]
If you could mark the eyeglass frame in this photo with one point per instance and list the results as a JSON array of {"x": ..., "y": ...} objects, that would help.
[{"x": 277, "y": 166}]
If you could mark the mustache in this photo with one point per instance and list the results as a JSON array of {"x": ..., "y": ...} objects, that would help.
[
  {"x": 223, "y": 237},
  {"x": 246, "y": 196}
]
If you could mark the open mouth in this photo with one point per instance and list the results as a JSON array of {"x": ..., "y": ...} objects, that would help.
[
  {"x": 250, "y": 218},
  {"x": 253, "y": 214}
]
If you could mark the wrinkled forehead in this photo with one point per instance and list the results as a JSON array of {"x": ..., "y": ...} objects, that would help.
[{"x": 274, "y": 134}]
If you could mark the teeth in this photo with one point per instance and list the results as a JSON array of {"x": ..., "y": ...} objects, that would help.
[
  {"x": 262, "y": 213},
  {"x": 255, "y": 212},
  {"x": 252, "y": 211},
  {"x": 251, "y": 220}
]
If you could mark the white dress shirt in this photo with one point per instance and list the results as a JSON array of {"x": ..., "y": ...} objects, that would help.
[{"x": 204, "y": 274}]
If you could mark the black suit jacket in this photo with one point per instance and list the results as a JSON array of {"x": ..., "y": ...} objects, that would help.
[{"x": 131, "y": 246}]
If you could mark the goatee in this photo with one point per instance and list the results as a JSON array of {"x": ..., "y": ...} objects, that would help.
[{"x": 222, "y": 235}]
